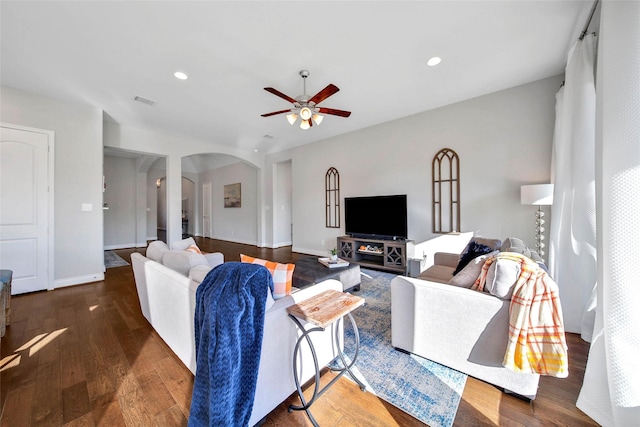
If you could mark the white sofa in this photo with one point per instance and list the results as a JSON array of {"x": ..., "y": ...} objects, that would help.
[
  {"x": 167, "y": 300},
  {"x": 455, "y": 326}
]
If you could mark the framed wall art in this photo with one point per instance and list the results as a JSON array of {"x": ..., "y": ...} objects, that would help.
[{"x": 232, "y": 196}]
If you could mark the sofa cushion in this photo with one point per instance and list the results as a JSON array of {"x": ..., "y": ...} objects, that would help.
[
  {"x": 471, "y": 271},
  {"x": 183, "y": 245},
  {"x": 156, "y": 249},
  {"x": 199, "y": 272},
  {"x": 183, "y": 261},
  {"x": 282, "y": 274},
  {"x": 494, "y": 244},
  {"x": 473, "y": 249},
  {"x": 513, "y": 244},
  {"x": 501, "y": 278},
  {"x": 437, "y": 273}
]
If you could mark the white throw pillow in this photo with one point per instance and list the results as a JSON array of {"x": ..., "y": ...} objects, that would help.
[
  {"x": 183, "y": 245},
  {"x": 156, "y": 249},
  {"x": 502, "y": 277},
  {"x": 471, "y": 271},
  {"x": 183, "y": 261}
]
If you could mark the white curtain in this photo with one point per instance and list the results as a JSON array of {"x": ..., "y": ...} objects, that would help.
[
  {"x": 572, "y": 246},
  {"x": 611, "y": 389}
]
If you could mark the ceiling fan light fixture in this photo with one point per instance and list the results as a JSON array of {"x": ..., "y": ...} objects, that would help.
[
  {"x": 305, "y": 113},
  {"x": 292, "y": 118},
  {"x": 306, "y": 107}
]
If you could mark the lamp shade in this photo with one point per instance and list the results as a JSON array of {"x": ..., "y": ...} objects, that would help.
[
  {"x": 292, "y": 118},
  {"x": 538, "y": 194},
  {"x": 305, "y": 113}
]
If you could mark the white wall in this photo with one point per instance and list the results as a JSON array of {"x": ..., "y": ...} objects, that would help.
[
  {"x": 233, "y": 224},
  {"x": 78, "y": 237},
  {"x": 503, "y": 139}
]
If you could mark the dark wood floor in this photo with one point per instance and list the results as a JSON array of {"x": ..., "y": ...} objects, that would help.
[{"x": 84, "y": 355}]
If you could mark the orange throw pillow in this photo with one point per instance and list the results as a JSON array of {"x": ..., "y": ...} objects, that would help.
[
  {"x": 282, "y": 274},
  {"x": 194, "y": 248}
]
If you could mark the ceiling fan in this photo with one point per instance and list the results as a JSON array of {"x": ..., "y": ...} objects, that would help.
[{"x": 306, "y": 107}]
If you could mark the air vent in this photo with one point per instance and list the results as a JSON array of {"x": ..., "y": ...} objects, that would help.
[{"x": 144, "y": 100}]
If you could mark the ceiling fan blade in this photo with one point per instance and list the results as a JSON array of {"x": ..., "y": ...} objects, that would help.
[
  {"x": 334, "y": 112},
  {"x": 275, "y": 112},
  {"x": 324, "y": 94},
  {"x": 276, "y": 92}
]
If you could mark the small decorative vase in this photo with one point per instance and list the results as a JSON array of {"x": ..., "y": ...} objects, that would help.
[{"x": 334, "y": 257}]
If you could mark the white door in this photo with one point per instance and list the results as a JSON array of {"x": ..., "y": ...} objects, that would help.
[
  {"x": 206, "y": 210},
  {"x": 24, "y": 208}
]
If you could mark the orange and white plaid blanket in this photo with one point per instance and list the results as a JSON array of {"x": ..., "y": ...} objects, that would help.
[{"x": 536, "y": 329}]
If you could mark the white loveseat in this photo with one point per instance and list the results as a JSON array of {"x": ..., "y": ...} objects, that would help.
[
  {"x": 455, "y": 326},
  {"x": 167, "y": 299}
]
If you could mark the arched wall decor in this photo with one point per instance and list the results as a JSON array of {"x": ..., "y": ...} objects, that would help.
[
  {"x": 332, "y": 198},
  {"x": 445, "y": 179}
]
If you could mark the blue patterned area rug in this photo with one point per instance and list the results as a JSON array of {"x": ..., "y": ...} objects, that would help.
[
  {"x": 427, "y": 390},
  {"x": 112, "y": 259}
]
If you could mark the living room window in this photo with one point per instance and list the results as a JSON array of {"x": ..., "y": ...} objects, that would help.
[
  {"x": 332, "y": 198},
  {"x": 445, "y": 178}
]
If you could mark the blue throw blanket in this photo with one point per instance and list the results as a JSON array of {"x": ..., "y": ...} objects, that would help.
[{"x": 229, "y": 324}]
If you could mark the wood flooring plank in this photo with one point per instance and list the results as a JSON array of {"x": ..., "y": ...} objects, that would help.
[
  {"x": 106, "y": 411},
  {"x": 100, "y": 384},
  {"x": 138, "y": 360},
  {"x": 151, "y": 344},
  {"x": 130, "y": 396},
  {"x": 178, "y": 380},
  {"x": 71, "y": 365},
  {"x": 171, "y": 417},
  {"x": 28, "y": 361},
  {"x": 17, "y": 408},
  {"x": 83, "y": 421},
  {"x": 46, "y": 409},
  {"x": 158, "y": 398},
  {"x": 75, "y": 402}
]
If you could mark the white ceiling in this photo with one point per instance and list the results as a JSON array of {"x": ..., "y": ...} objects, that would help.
[{"x": 104, "y": 53}]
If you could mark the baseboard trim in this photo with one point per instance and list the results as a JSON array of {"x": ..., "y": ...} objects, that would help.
[
  {"x": 123, "y": 246},
  {"x": 78, "y": 280},
  {"x": 309, "y": 251}
]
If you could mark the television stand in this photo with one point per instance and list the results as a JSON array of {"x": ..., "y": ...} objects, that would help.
[{"x": 390, "y": 255}]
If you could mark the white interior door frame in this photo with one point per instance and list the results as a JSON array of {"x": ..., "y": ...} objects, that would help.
[
  {"x": 50, "y": 195},
  {"x": 207, "y": 225}
]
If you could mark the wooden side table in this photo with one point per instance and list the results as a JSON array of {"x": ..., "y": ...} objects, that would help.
[
  {"x": 323, "y": 310},
  {"x": 5, "y": 300}
]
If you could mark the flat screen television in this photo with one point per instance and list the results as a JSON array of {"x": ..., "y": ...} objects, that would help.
[{"x": 376, "y": 217}]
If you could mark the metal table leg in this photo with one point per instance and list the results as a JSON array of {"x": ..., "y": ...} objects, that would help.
[{"x": 346, "y": 367}]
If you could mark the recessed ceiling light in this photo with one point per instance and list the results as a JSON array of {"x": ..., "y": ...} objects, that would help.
[
  {"x": 432, "y": 62},
  {"x": 180, "y": 75}
]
